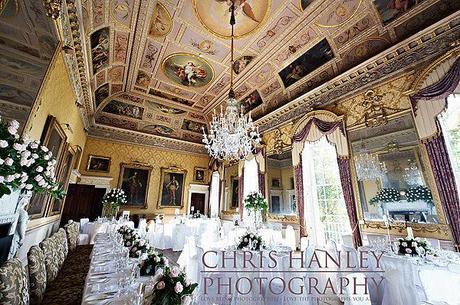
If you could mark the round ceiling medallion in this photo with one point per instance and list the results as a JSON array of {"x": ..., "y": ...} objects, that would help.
[
  {"x": 188, "y": 70},
  {"x": 214, "y": 15}
]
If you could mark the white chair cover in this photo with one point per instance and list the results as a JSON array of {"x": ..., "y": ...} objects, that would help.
[
  {"x": 290, "y": 237},
  {"x": 179, "y": 237},
  {"x": 83, "y": 239},
  {"x": 83, "y": 222}
]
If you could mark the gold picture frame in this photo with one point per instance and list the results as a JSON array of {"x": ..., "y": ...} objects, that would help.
[
  {"x": 134, "y": 180},
  {"x": 170, "y": 190},
  {"x": 199, "y": 175},
  {"x": 100, "y": 164}
]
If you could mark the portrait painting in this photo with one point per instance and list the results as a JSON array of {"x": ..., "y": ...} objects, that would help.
[
  {"x": 194, "y": 126},
  {"x": 54, "y": 138},
  {"x": 100, "y": 49},
  {"x": 161, "y": 22},
  {"x": 187, "y": 70},
  {"x": 251, "y": 101},
  {"x": 241, "y": 63},
  {"x": 276, "y": 182},
  {"x": 172, "y": 187},
  {"x": 312, "y": 59},
  {"x": 134, "y": 181},
  {"x": 98, "y": 164},
  {"x": 199, "y": 175},
  {"x": 249, "y": 15},
  {"x": 159, "y": 130},
  {"x": 123, "y": 109},
  {"x": 235, "y": 190},
  {"x": 392, "y": 9}
]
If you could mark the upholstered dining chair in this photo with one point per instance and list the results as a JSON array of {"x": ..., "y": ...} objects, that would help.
[
  {"x": 51, "y": 258},
  {"x": 73, "y": 231},
  {"x": 37, "y": 274},
  {"x": 14, "y": 283}
]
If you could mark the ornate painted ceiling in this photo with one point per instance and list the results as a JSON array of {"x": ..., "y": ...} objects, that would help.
[
  {"x": 153, "y": 71},
  {"x": 27, "y": 44}
]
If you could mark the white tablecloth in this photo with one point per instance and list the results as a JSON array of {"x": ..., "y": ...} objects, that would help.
[
  {"x": 93, "y": 228},
  {"x": 103, "y": 272}
]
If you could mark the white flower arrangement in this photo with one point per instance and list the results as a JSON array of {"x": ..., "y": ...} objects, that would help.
[
  {"x": 413, "y": 246},
  {"x": 25, "y": 165}
]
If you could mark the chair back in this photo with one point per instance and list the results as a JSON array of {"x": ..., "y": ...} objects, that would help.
[
  {"x": 37, "y": 274},
  {"x": 290, "y": 237},
  {"x": 14, "y": 287},
  {"x": 83, "y": 222}
]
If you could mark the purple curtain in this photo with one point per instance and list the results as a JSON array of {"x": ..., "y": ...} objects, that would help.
[
  {"x": 347, "y": 187},
  {"x": 299, "y": 196},
  {"x": 323, "y": 126},
  {"x": 445, "y": 181},
  {"x": 441, "y": 89},
  {"x": 240, "y": 195}
]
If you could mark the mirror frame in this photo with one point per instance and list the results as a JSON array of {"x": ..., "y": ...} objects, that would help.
[
  {"x": 428, "y": 230},
  {"x": 225, "y": 211}
]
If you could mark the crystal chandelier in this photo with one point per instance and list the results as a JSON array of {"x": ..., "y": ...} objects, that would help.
[
  {"x": 412, "y": 174},
  {"x": 368, "y": 166},
  {"x": 232, "y": 135}
]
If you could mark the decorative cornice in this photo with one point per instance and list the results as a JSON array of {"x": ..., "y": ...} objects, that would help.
[
  {"x": 440, "y": 231},
  {"x": 133, "y": 137},
  {"x": 53, "y": 8},
  {"x": 395, "y": 61}
]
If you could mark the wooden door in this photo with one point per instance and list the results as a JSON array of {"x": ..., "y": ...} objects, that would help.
[
  {"x": 198, "y": 202},
  {"x": 82, "y": 201}
]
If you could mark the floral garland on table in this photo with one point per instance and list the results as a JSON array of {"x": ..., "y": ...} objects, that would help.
[
  {"x": 25, "y": 165},
  {"x": 251, "y": 241},
  {"x": 413, "y": 246},
  {"x": 173, "y": 287},
  {"x": 129, "y": 235},
  {"x": 151, "y": 261},
  {"x": 419, "y": 192},
  {"x": 386, "y": 195},
  {"x": 139, "y": 247}
]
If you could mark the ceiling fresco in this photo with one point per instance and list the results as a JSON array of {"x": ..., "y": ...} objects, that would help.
[
  {"x": 27, "y": 44},
  {"x": 161, "y": 67}
]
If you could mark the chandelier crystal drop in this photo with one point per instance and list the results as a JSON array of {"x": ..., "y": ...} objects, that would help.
[
  {"x": 232, "y": 134},
  {"x": 369, "y": 167}
]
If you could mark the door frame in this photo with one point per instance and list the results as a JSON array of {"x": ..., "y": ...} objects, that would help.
[{"x": 200, "y": 189}]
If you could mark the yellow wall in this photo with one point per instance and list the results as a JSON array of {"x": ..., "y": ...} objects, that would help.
[
  {"x": 57, "y": 98},
  {"x": 126, "y": 153}
]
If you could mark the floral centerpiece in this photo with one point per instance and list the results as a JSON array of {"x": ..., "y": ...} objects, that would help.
[
  {"x": 413, "y": 246},
  {"x": 151, "y": 261},
  {"x": 173, "y": 287},
  {"x": 250, "y": 241},
  {"x": 419, "y": 192},
  {"x": 112, "y": 201},
  {"x": 139, "y": 246},
  {"x": 129, "y": 235},
  {"x": 256, "y": 206},
  {"x": 25, "y": 165},
  {"x": 386, "y": 195}
]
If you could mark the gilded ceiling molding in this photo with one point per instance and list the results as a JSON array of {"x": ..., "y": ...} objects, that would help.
[
  {"x": 389, "y": 64},
  {"x": 53, "y": 8}
]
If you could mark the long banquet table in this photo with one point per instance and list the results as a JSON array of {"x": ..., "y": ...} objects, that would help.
[{"x": 113, "y": 277}]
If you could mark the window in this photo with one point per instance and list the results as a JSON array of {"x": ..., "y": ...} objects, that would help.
[
  {"x": 450, "y": 124},
  {"x": 325, "y": 211}
]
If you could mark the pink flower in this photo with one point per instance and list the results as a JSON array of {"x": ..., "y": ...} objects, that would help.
[
  {"x": 178, "y": 288},
  {"x": 175, "y": 271},
  {"x": 161, "y": 285}
]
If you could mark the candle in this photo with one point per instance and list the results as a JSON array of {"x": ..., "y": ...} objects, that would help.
[{"x": 410, "y": 233}]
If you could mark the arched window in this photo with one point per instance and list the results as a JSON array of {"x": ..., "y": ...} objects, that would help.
[{"x": 325, "y": 211}]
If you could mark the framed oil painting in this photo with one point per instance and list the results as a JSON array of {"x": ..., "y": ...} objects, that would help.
[
  {"x": 199, "y": 174},
  {"x": 309, "y": 61},
  {"x": 172, "y": 187},
  {"x": 100, "y": 49},
  {"x": 235, "y": 191},
  {"x": 54, "y": 138},
  {"x": 56, "y": 205},
  {"x": 251, "y": 101},
  {"x": 134, "y": 180},
  {"x": 188, "y": 70},
  {"x": 98, "y": 164}
]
